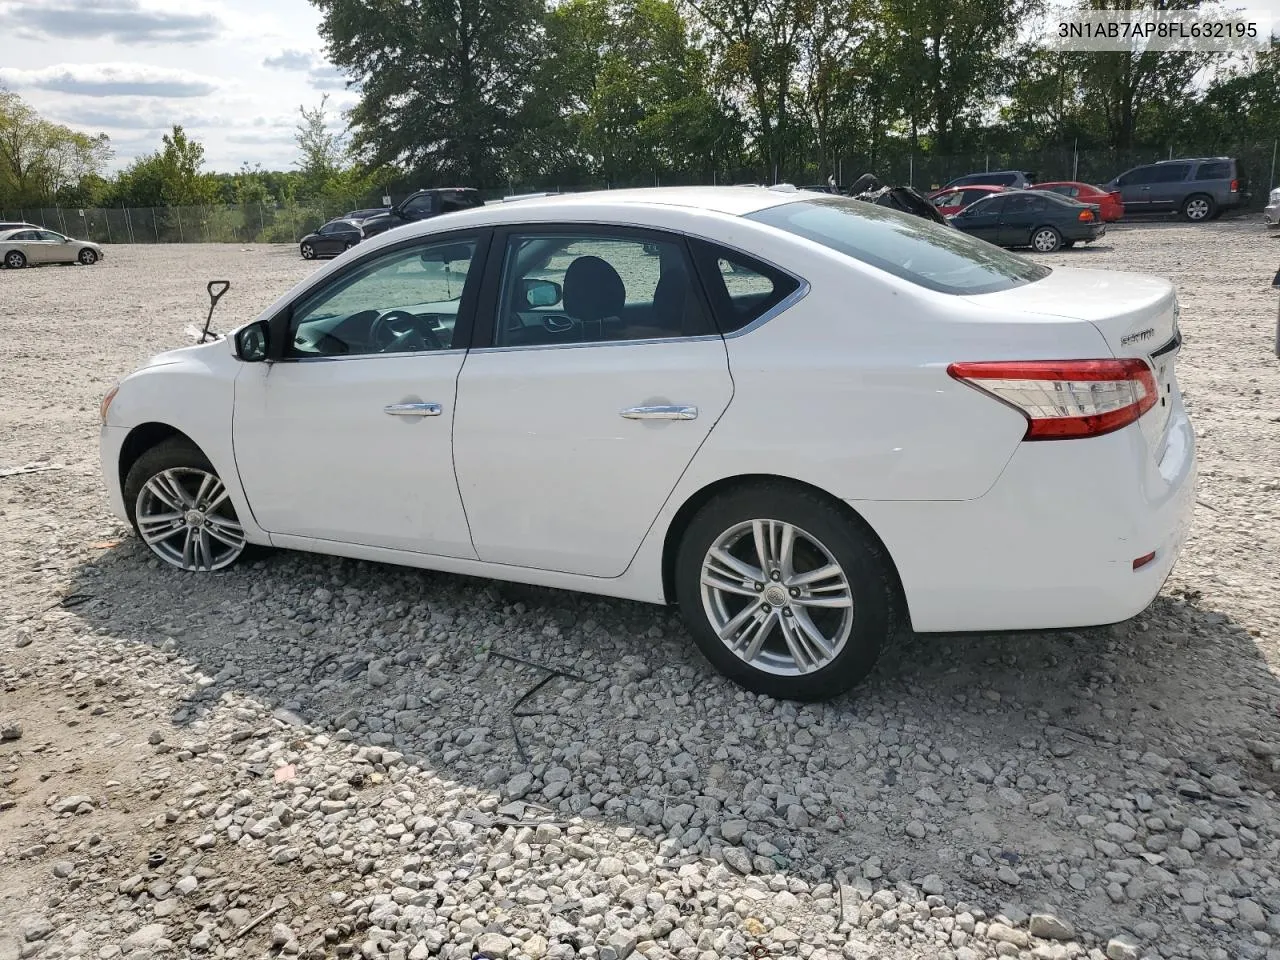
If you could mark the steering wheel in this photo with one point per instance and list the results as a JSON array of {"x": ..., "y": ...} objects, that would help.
[{"x": 400, "y": 330}]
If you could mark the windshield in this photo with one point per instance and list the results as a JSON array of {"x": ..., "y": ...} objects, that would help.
[{"x": 926, "y": 253}]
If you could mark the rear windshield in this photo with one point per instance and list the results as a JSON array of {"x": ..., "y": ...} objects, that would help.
[{"x": 930, "y": 254}]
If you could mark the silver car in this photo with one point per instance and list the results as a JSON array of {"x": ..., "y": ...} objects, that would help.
[
  {"x": 1272, "y": 212},
  {"x": 18, "y": 248}
]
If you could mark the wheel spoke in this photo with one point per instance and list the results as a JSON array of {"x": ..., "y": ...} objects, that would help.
[
  {"x": 804, "y": 658},
  {"x": 189, "y": 549},
  {"x": 831, "y": 571},
  {"x": 207, "y": 483},
  {"x": 731, "y": 628},
  {"x": 786, "y": 551},
  {"x": 167, "y": 491},
  {"x": 156, "y": 527},
  {"x": 833, "y": 596},
  {"x": 751, "y": 639},
  {"x": 813, "y": 647},
  {"x": 204, "y": 548},
  {"x": 225, "y": 531},
  {"x": 729, "y": 561},
  {"x": 717, "y": 581},
  {"x": 761, "y": 531}
]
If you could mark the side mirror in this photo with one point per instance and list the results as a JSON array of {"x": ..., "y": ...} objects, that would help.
[
  {"x": 541, "y": 293},
  {"x": 251, "y": 342}
]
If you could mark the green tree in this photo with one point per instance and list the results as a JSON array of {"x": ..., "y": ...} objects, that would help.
[
  {"x": 44, "y": 162},
  {"x": 444, "y": 86},
  {"x": 321, "y": 149}
]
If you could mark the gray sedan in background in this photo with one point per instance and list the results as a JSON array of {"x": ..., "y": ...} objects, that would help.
[{"x": 34, "y": 246}]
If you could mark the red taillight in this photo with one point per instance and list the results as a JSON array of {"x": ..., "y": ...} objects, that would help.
[
  {"x": 1086, "y": 215},
  {"x": 1065, "y": 399},
  {"x": 1235, "y": 186}
]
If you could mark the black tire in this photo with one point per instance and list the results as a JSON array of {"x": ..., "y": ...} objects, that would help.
[
  {"x": 348, "y": 245},
  {"x": 88, "y": 257},
  {"x": 1046, "y": 239},
  {"x": 15, "y": 260},
  {"x": 1198, "y": 208},
  {"x": 308, "y": 251},
  {"x": 176, "y": 453},
  {"x": 862, "y": 560}
]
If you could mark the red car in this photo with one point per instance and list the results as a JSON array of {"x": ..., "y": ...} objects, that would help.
[
  {"x": 1111, "y": 203},
  {"x": 951, "y": 200}
]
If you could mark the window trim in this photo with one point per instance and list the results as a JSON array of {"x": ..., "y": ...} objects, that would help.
[
  {"x": 280, "y": 320},
  {"x": 483, "y": 333},
  {"x": 705, "y": 252}
]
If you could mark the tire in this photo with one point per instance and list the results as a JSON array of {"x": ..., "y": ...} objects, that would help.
[
  {"x": 1198, "y": 208},
  {"x": 822, "y": 535},
  {"x": 348, "y": 245},
  {"x": 15, "y": 260},
  {"x": 88, "y": 257},
  {"x": 308, "y": 251},
  {"x": 173, "y": 494},
  {"x": 1046, "y": 239}
]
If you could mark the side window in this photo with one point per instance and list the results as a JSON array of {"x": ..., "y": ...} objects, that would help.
[
  {"x": 327, "y": 229},
  {"x": 1217, "y": 170},
  {"x": 1171, "y": 172},
  {"x": 993, "y": 204},
  {"x": 50, "y": 235},
  {"x": 419, "y": 206},
  {"x": 592, "y": 287},
  {"x": 1023, "y": 203},
  {"x": 742, "y": 288},
  {"x": 450, "y": 202},
  {"x": 25, "y": 235},
  {"x": 404, "y": 301},
  {"x": 972, "y": 196},
  {"x": 1138, "y": 176}
]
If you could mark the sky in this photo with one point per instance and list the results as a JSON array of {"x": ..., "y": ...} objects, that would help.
[{"x": 232, "y": 72}]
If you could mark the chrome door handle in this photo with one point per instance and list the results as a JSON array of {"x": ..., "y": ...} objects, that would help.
[
  {"x": 661, "y": 413},
  {"x": 412, "y": 409}
]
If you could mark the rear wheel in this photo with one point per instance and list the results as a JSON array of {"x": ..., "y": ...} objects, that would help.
[
  {"x": 1198, "y": 207},
  {"x": 181, "y": 509},
  {"x": 784, "y": 593},
  {"x": 88, "y": 257},
  {"x": 14, "y": 260},
  {"x": 1045, "y": 239}
]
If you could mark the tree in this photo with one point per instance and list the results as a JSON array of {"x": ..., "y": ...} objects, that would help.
[
  {"x": 444, "y": 86},
  {"x": 41, "y": 162},
  {"x": 322, "y": 149},
  {"x": 170, "y": 177}
]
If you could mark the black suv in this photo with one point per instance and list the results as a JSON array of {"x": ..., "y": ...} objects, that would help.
[
  {"x": 422, "y": 205},
  {"x": 1198, "y": 188},
  {"x": 1013, "y": 179}
]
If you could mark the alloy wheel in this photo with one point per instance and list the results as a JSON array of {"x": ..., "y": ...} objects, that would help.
[
  {"x": 776, "y": 597},
  {"x": 15, "y": 261},
  {"x": 308, "y": 252},
  {"x": 186, "y": 518},
  {"x": 1045, "y": 241},
  {"x": 1197, "y": 208},
  {"x": 88, "y": 257}
]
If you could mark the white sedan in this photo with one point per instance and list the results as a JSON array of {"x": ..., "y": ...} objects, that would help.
[
  {"x": 807, "y": 420},
  {"x": 32, "y": 246}
]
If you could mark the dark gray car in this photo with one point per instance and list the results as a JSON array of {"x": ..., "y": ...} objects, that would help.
[
  {"x": 1197, "y": 188},
  {"x": 1038, "y": 219},
  {"x": 1013, "y": 179}
]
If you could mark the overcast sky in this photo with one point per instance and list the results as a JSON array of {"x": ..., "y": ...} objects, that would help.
[{"x": 232, "y": 72}]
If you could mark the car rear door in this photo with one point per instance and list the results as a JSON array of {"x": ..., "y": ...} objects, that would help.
[
  {"x": 1017, "y": 217},
  {"x": 1168, "y": 186},
  {"x": 575, "y": 421}
]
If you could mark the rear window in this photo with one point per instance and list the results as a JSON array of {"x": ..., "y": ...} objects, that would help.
[{"x": 929, "y": 254}]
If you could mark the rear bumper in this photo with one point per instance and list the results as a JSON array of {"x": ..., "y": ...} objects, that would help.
[{"x": 1052, "y": 543}]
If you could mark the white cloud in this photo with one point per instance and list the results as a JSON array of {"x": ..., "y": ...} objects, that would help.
[
  {"x": 112, "y": 80},
  {"x": 124, "y": 21},
  {"x": 290, "y": 60}
]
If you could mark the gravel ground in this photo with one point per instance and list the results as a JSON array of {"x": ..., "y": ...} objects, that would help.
[{"x": 320, "y": 757}]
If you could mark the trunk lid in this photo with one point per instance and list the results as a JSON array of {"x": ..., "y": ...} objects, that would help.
[{"x": 1136, "y": 314}]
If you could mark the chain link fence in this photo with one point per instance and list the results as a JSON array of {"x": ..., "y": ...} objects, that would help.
[{"x": 289, "y": 222}]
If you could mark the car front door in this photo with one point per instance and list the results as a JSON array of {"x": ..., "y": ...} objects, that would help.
[
  {"x": 25, "y": 242},
  {"x": 55, "y": 247},
  {"x": 345, "y": 436},
  {"x": 982, "y": 218},
  {"x": 1018, "y": 216},
  {"x": 1135, "y": 189},
  {"x": 1168, "y": 186},
  {"x": 582, "y": 405},
  {"x": 327, "y": 240}
]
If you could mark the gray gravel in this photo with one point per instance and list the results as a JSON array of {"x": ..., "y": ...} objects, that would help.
[{"x": 317, "y": 757}]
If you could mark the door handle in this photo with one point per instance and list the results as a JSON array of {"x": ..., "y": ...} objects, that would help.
[
  {"x": 412, "y": 409},
  {"x": 661, "y": 413}
]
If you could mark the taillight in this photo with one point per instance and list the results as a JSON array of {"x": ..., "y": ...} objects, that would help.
[
  {"x": 1064, "y": 399},
  {"x": 1235, "y": 186},
  {"x": 1086, "y": 215}
]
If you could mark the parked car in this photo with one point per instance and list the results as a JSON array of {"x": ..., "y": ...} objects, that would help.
[
  {"x": 1197, "y": 188},
  {"x": 6, "y": 225},
  {"x": 1272, "y": 212},
  {"x": 1110, "y": 203},
  {"x": 361, "y": 215},
  {"x": 1014, "y": 179},
  {"x": 871, "y": 422},
  {"x": 330, "y": 240},
  {"x": 32, "y": 247},
  {"x": 422, "y": 205},
  {"x": 952, "y": 201},
  {"x": 1038, "y": 219}
]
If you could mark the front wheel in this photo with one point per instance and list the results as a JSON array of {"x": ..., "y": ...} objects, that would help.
[
  {"x": 308, "y": 252},
  {"x": 14, "y": 260},
  {"x": 784, "y": 593},
  {"x": 181, "y": 509},
  {"x": 88, "y": 257},
  {"x": 1046, "y": 239}
]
